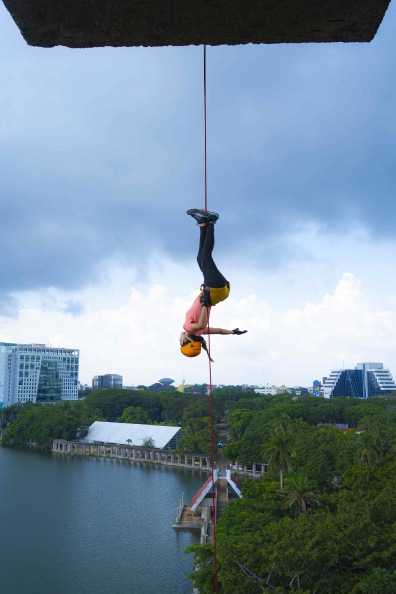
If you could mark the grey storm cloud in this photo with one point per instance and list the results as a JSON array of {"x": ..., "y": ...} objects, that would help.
[{"x": 101, "y": 150}]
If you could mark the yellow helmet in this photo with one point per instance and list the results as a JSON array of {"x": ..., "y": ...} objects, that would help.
[{"x": 191, "y": 349}]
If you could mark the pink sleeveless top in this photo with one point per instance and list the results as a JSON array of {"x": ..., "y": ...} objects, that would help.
[{"x": 193, "y": 315}]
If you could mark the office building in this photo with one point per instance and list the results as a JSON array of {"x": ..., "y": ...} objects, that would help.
[
  {"x": 37, "y": 373},
  {"x": 364, "y": 381},
  {"x": 110, "y": 380}
]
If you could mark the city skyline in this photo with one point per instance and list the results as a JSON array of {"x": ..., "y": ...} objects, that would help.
[
  {"x": 377, "y": 369},
  {"x": 101, "y": 154}
]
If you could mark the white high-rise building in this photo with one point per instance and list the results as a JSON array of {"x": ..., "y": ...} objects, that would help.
[
  {"x": 37, "y": 373},
  {"x": 364, "y": 381}
]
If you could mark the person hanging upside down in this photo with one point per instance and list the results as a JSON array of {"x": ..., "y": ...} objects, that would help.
[{"x": 214, "y": 289}]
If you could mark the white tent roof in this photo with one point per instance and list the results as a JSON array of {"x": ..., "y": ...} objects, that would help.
[{"x": 106, "y": 432}]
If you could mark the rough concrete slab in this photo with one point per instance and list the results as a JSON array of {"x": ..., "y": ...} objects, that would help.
[{"x": 96, "y": 23}]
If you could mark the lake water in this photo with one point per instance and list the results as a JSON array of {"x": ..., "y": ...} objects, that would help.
[{"x": 77, "y": 525}]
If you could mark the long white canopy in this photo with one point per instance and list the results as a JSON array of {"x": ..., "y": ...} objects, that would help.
[{"x": 121, "y": 433}]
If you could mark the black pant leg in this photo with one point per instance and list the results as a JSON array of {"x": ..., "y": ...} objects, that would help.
[
  {"x": 202, "y": 235},
  {"x": 212, "y": 275}
]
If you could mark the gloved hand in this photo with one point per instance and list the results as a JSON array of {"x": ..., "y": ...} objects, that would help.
[
  {"x": 237, "y": 331},
  {"x": 205, "y": 300}
]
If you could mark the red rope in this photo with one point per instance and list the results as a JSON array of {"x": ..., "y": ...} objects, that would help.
[
  {"x": 212, "y": 433},
  {"x": 212, "y": 447}
]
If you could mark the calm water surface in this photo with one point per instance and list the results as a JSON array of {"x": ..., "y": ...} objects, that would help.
[{"x": 76, "y": 525}]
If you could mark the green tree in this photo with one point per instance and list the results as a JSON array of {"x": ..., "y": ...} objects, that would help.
[
  {"x": 366, "y": 454},
  {"x": 355, "y": 413},
  {"x": 44, "y": 423},
  {"x": 249, "y": 449},
  {"x": 301, "y": 493},
  {"x": 111, "y": 403},
  {"x": 378, "y": 581},
  {"x": 148, "y": 442},
  {"x": 196, "y": 436},
  {"x": 134, "y": 414},
  {"x": 316, "y": 451},
  {"x": 278, "y": 452},
  {"x": 238, "y": 420},
  {"x": 203, "y": 574}
]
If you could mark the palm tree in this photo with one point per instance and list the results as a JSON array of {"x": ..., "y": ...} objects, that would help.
[
  {"x": 278, "y": 452},
  {"x": 301, "y": 492},
  {"x": 366, "y": 453},
  {"x": 282, "y": 423}
]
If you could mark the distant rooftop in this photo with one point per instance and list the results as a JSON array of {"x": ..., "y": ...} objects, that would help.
[
  {"x": 97, "y": 23},
  {"x": 167, "y": 381},
  {"x": 132, "y": 433}
]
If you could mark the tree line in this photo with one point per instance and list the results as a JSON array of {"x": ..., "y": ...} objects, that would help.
[
  {"x": 25, "y": 423},
  {"x": 322, "y": 520}
]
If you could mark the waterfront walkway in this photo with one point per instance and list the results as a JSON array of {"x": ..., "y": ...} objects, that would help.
[
  {"x": 156, "y": 456},
  {"x": 133, "y": 453}
]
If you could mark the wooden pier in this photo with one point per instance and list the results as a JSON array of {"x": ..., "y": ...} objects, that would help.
[{"x": 198, "y": 515}]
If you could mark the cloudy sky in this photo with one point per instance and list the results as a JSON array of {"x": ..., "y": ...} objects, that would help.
[{"x": 101, "y": 154}]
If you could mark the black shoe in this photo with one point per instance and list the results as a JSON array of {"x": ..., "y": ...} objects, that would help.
[
  {"x": 203, "y": 216},
  {"x": 212, "y": 217}
]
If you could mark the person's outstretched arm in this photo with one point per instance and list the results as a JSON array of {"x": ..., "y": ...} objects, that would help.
[{"x": 224, "y": 331}]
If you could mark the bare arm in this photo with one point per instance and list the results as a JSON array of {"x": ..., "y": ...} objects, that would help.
[
  {"x": 220, "y": 331},
  {"x": 224, "y": 331},
  {"x": 203, "y": 322}
]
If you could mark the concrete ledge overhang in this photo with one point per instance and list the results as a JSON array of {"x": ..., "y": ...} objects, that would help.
[{"x": 98, "y": 23}]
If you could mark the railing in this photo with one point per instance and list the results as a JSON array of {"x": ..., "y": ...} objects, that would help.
[
  {"x": 133, "y": 453},
  {"x": 254, "y": 470}
]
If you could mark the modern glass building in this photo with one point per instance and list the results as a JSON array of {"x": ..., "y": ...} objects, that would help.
[
  {"x": 49, "y": 384},
  {"x": 364, "y": 381},
  {"x": 37, "y": 373},
  {"x": 110, "y": 380}
]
